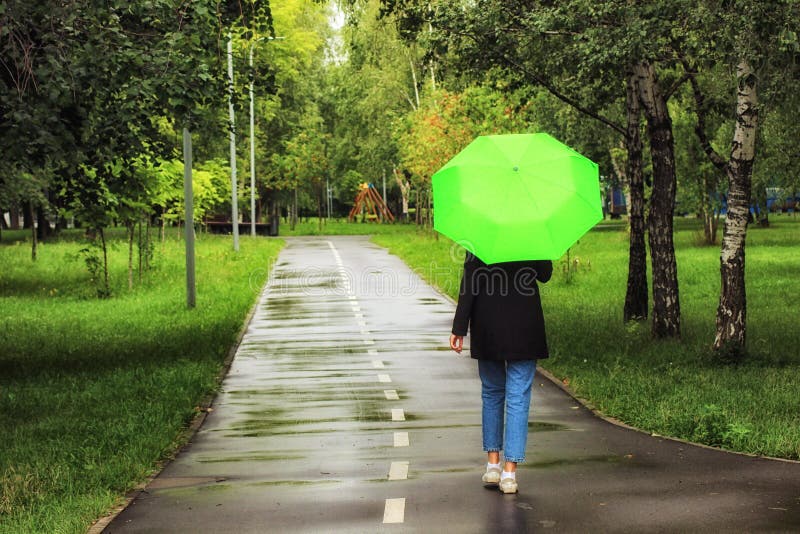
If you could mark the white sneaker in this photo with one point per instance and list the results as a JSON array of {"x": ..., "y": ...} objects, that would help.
[
  {"x": 508, "y": 485},
  {"x": 491, "y": 476}
]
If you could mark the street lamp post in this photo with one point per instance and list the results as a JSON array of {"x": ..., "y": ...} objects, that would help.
[
  {"x": 234, "y": 181},
  {"x": 252, "y": 150}
]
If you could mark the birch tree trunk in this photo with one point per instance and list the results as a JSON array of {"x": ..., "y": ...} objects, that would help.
[
  {"x": 414, "y": 79},
  {"x": 405, "y": 188},
  {"x": 666, "y": 305},
  {"x": 732, "y": 310},
  {"x": 710, "y": 215},
  {"x": 636, "y": 294}
]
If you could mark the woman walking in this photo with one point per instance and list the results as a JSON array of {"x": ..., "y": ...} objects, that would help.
[{"x": 500, "y": 306}]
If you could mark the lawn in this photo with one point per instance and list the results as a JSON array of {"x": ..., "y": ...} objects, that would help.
[
  {"x": 93, "y": 393},
  {"x": 666, "y": 387}
]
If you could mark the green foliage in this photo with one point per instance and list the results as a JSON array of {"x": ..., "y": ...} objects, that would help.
[
  {"x": 88, "y": 90},
  {"x": 92, "y": 255},
  {"x": 710, "y": 425},
  {"x": 432, "y": 135},
  {"x": 94, "y": 393},
  {"x": 210, "y": 183}
]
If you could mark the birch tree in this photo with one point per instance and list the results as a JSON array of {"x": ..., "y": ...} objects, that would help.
[{"x": 750, "y": 33}]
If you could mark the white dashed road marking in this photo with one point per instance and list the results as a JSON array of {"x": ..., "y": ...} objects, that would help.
[
  {"x": 394, "y": 512},
  {"x": 401, "y": 439},
  {"x": 398, "y": 471}
]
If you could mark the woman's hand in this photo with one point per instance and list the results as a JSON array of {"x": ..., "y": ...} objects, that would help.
[{"x": 456, "y": 343}]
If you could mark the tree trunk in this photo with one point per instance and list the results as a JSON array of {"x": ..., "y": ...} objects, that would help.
[
  {"x": 414, "y": 80},
  {"x": 147, "y": 243},
  {"x": 14, "y": 213},
  {"x": 732, "y": 310},
  {"x": 34, "y": 237},
  {"x": 429, "y": 212},
  {"x": 131, "y": 227},
  {"x": 293, "y": 219},
  {"x": 709, "y": 214},
  {"x": 405, "y": 187},
  {"x": 140, "y": 249},
  {"x": 319, "y": 211},
  {"x": 709, "y": 225},
  {"x": 27, "y": 216},
  {"x": 762, "y": 214},
  {"x": 666, "y": 304},
  {"x": 42, "y": 224},
  {"x": 636, "y": 294},
  {"x": 106, "y": 288}
]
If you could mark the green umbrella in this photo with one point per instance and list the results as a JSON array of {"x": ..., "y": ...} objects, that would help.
[{"x": 516, "y": 197}]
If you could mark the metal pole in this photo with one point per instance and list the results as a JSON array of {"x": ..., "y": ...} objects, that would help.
[
  {"x": 252, "y": 151},
  {"x": 188, "y": 201},
  {"x": 234, "y": 181}
]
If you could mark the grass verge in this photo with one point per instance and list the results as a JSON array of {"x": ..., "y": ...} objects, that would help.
[
  {"x": 94, "y": 393},
  {"x": 341, "y": 226},
  {"x": 666, "y": 387}
]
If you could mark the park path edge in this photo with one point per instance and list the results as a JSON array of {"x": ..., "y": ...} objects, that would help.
[{"x": 186, "y": 434}]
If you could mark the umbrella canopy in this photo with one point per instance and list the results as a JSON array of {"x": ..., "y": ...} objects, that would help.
[{"x": 516, "y": 197}]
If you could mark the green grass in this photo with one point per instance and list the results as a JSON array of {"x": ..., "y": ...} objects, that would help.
[
  {"x": 93, "y": 393},
  {"x": 667, "y": 387}
]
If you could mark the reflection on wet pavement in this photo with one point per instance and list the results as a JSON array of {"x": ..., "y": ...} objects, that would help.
[{"x": 305, "y": 435}]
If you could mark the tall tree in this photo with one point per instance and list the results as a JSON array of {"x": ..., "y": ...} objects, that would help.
[
  {"x": 666, "y": 302},
  {"x": 582, "y": 54},
  {"x": 750, "y": 34}
]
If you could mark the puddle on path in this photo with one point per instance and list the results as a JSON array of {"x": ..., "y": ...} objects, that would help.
[
  {"x": 565, "y": 462},
  {"x": 295, "y": 482},
  {"x": 541, "y": 426},
  {"x": 274, "y": 457}
]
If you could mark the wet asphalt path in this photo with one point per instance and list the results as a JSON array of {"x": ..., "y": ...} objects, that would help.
[{"x": 343, "y": 412}]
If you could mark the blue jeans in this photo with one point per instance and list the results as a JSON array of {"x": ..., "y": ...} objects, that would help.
[{"x": 506, "y": 390}]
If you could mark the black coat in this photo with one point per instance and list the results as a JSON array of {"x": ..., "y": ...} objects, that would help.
[{"x": 500, "y": 303}]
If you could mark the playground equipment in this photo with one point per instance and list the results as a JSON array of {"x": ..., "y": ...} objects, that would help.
[{"x": 370, "y": 205}]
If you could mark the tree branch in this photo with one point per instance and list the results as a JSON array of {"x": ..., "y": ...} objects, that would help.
[
  {"x": 548, "y": 86},
  {"x": 564, "y": 98},
  {"x": 701, "y": 111},
  {"x": 675, "y": 86}
]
